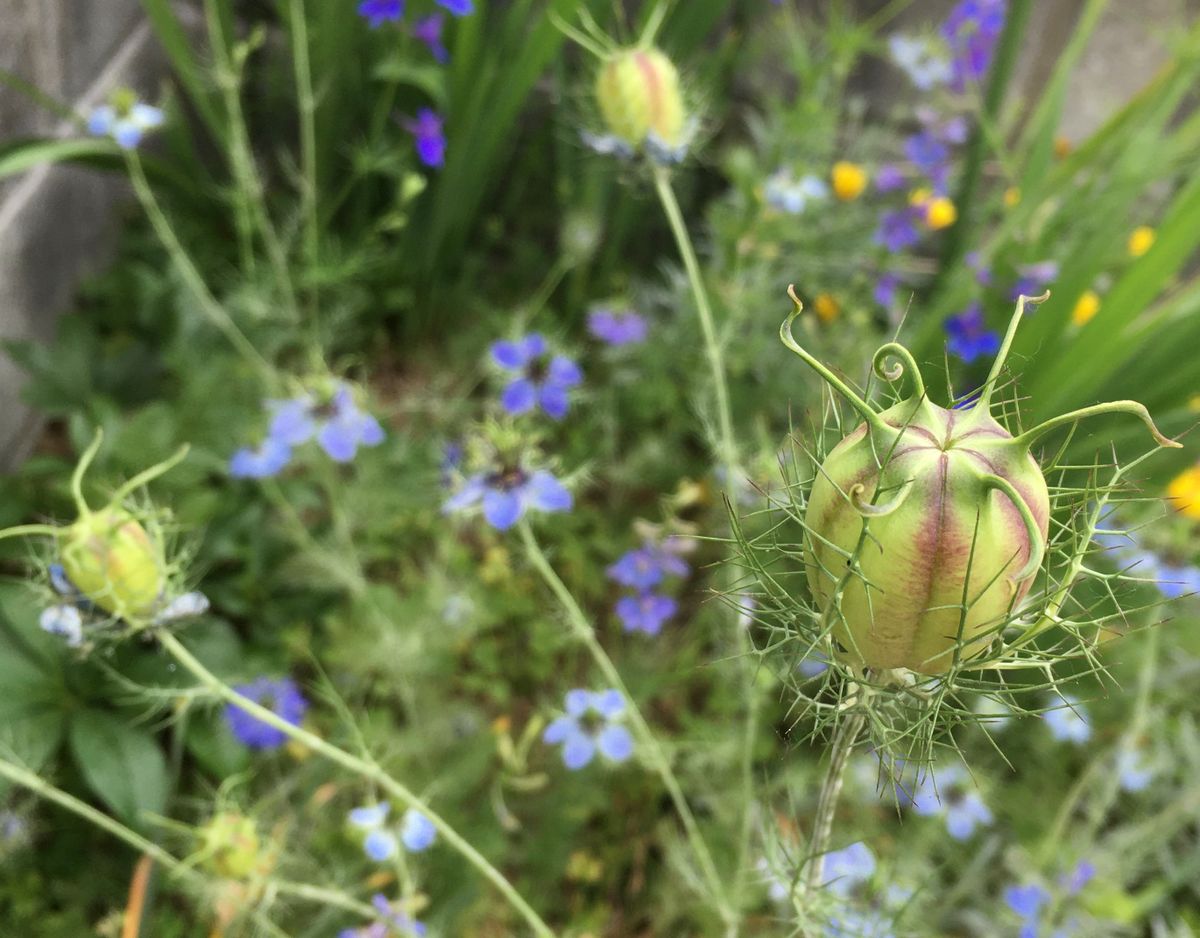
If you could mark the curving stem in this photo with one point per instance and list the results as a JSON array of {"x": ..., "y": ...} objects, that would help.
[
  {"x": 1027, "y": 438},
  {"x": 906, "y": 365},
  {"x": 785, "y": 335},
  {"x": 81, "y": 468},
  {"x": 868, "y": 510},
  {"x": 1037, "y": 543},
  {"x": 148, "y": 475},
  {"x": 1013, "y": 324}
]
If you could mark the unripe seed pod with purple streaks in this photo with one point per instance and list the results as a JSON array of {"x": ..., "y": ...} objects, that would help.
[
  {"x": 926, "y": 528},
  {"x": 110, "y": 558},
  {"x": 638, "y": 94}
]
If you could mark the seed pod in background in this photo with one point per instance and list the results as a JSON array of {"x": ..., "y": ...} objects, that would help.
[
  {"x": 638, "y": 94},
  {"x": 110, "y": 558},
  {"x": 926, "y": 527},
  {"x": 231, "y": 846}
]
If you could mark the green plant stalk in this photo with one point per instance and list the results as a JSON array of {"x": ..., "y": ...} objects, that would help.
[
  {"x": 308, "y": 141},
  {"x": 646, "y": 738},
  {"x": 43, "y": 789},
  {"x": 831, "y": 789},
  {"x": 1005, "y": 61},
  {"x": 364, "y": 769},
  {"x": 726, "y": 453},
  {"x": 208, "y": 303}
]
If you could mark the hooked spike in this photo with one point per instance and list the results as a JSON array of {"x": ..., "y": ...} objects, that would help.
[
  {"x": 868, "y": 510},
  {"x": 906, "y": 364},
  {"x": 1111, "y": 407},
  {"x": 1037, "y": 544},
  {"x": 985, "y": 396}
]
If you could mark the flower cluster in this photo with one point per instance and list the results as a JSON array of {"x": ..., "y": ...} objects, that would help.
[
  {"x": 333, "y": 420},
  {"x": 391, "y": 923},
  {"x": 282, "y": 697},
  {"x": 590, "y": 725},
  {"x": 643, "y": 570},
  {"x": 417, "y": 833}
]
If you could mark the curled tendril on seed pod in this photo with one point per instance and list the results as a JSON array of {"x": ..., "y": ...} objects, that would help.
[{"x": 904, "y": 364}]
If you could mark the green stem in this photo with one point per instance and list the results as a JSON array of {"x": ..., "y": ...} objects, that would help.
[
  {"x": 646, "y": 739},
  {"x": 364, "y": 769},
  {"x": 208, "y": 303},
  {"x": 308, "y": 135},
  {"x": 152, "y": 473},
  {"x": 81, "y": 468},
  {"x": 1112, "y": 407},
  {"x": 831, "y": 789},
  {"x": 985, "y": 396},
  {"x": 1037, "y": 543},
  {"x": 726, "y": 448},
  {"x": 30, "y": 530}
]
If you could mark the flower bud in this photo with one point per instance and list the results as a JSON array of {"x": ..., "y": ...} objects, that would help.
[
  {"x": 110, "y": 558},
  {"x": 638, "y": 94},
  {"x": 231, "y": 845}
]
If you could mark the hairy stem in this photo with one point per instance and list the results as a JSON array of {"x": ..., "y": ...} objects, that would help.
[
  {"x": 648, "y": 742},
  {"x": 364, "y": 769},
  {"x": 831, "y": 789}
]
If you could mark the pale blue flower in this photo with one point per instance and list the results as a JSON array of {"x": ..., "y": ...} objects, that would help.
[
  {"x": 1067, "y": 723},
  {"x": 125, "y": 124},
  {"x": 508, "y": 494},
  {"x": 1134, "y": 770},
  {"x": 922, "y": 60},
  {"x": 417, "y": 831},
  {"x": 785, "y": 193},
  {"x": 65, "y": 621},
  {"x": 948, "y": 795},
  {"x": 590, "y": 725}
]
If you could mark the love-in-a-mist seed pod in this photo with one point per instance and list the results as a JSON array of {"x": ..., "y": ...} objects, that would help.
[
  {"x": 638, "y": 93},
  {"x": 926, "y": 526}
]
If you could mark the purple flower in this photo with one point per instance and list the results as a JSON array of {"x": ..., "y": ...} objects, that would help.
[
  {"x": 898, "y": 229},
  {"x": 428, "y": 30},
  {"x": 646, "y": 612},
  {"x": 890, "y": 177},
  {"x": 971, "y": 30},
  {"x": 885, "y": 290},
  {"x": 378, "y": 12},
  {"x": 617, "y": 327},
  {"x": 983, "y": 273},
  {"x": 926, "y": 151},
  {"x": 507, "y": 494},
  {"x": 1032, "y": 279},
  {"x": 1084, "y": 873},
  {"x": 645, "y": 567},
  {"x": 268, "y": 460},
  {"x": 543, "y": 380},
  {"x": 281, "y": 697},
  {"x": 458, "y": 7},
  {"x": 949, "y": 796},
  {"x": 428, "y": 137},
  {"x": 968, "y": 335},
  {"x": 338, "y": 425},
  {"x": 590, "y": 726},
  {"x": 392, "y": 922}
]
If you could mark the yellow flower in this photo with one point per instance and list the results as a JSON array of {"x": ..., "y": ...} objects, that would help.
[
  {"x": 1140, "y": 240},
  {"x": 920, "y": 197},
  {"x": 1062, "y": 146},
  {"x": 1012, "y": 196},
  {"x": 1184, "y": 493},
  {"x": 1194, "y": 403},
  {"x": 1086, "y": 307},
  {"x": 849, "y": 180},
  {"x": 940, "y": 213},
  {"x": 826, "y": 307}
]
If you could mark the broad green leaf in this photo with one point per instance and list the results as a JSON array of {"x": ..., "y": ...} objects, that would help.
[{"x": 122, "y": 765}]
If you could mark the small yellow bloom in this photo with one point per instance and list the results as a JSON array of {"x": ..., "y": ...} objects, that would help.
[
  {"x": 849, "y": 180},
  {"x": 1140, "y": 240},
  {"x": 1012, "y": 196},
  {"x": 1194, "y": 403},
  {"x": 1062, "y": 146},
  {"x": 826, "y": 307},
  {"x": 920, "y": 197},
  {"x": 1184, "y": 493},
  {"x": 1086, "y": 307},
  {"x": 940, "y": 213}
]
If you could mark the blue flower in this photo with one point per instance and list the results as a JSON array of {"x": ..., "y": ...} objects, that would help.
[
  {"x": 417, "y": 831},
  {"x": 428, "y": 137},
  {"x": 458, "y": 7},
  {"x": 65, "y": 621},
  {"x": 590, "y": 726},
  {"x": 1027, "y": 902},
  {"x": 428, "y": 30},
  {"x": 1033, "y": 279},
  {"x": 971, "y": 30},
  {"x": 846, "y": 869},
  {"x": 282, "y": 697},
  {"x": 126, "y": 123},
  {"x": 1134, "y": 771},
  {"x": 646, "y": 612},
  {"x": 925, "y": 151},
  {"x": 1084, "y": 873},
  {"x": 785, "y": 193},
  {"x": 508, "y": 493},
  {"x": 379, "y": 844},
  {"x": 898, "y": 229},
  {"x": 391, "y": 922},
  {"x": 338, "y": 425},
  {"x": 378, "y": 12},
  {"x": 968, "y": 335},
  {"x": 925, "y": 65},
  {"x": 617, "y": 327},
  {"x": 948, "y": 795},
  {"x": 647, "y": 566},
  {"x": 542, "y": 380},
  {"x": 1067, "y": 723},
  {"x": 889, "y": 177},
  {"x": 885, "y": 290},
  {"x": 269, "y": 459}
]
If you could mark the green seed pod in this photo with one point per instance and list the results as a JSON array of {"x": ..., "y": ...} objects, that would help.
[
  {"x": 926, "y": 527},
  {"x": 231, "y": 845},
  {"x": 110, "y": 558},
  {"x": 638, "y": 94}
]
